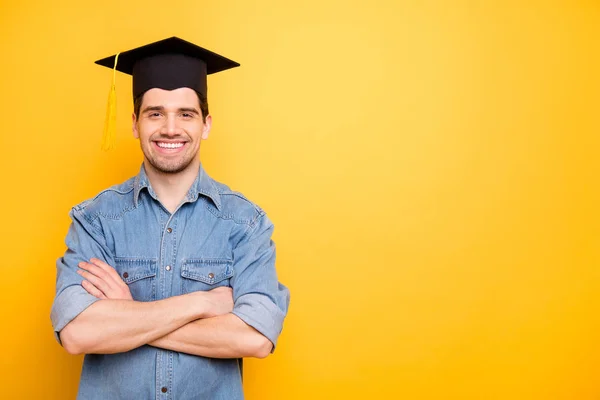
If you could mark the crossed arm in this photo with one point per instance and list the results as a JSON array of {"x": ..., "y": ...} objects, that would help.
[
  {"x": 199, "y": 323},
  {"x": 94, "y": 312}
]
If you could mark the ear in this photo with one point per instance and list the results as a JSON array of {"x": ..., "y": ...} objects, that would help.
[
  {"x": 134, "y": 128},
  {"x": 207, "y": 126}
]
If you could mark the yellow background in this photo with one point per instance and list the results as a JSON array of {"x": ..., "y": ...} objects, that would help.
[{"x": 431, "y": 168}]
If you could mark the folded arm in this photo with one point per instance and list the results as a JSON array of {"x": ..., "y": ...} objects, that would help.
[
  {"x": 225, "y": 336},
  {"x": 117, "y": 323},
  {"x": 93, "y": 321},
  {"x": 260, "y": 305},
  {"x": 115, "y": 326},
  {"x": 84, "y": 323},
  {"x": 209, "y": 329}
]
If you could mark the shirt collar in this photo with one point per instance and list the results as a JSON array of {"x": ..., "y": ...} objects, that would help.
[{"x": 203, "y": 184}]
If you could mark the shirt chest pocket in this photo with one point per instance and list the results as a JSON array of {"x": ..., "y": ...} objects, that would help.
[
  {"x": 205, "y": 274},
  {"x": 140, "y": 275}
]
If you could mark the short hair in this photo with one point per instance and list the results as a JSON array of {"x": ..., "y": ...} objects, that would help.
[{"x": 137, "y": 104}]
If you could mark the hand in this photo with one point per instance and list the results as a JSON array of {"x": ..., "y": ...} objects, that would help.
[
  {"x": 103, "y": 281},
  {"x": 219, "y": 301}
]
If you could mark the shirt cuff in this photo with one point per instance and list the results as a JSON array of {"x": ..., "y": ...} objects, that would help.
[
  {"x": 70, "y": 303},
  {"x": 261, "y": 313}
]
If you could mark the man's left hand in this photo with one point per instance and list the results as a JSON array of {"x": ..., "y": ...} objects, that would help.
[{"x": 102, "y": 281}]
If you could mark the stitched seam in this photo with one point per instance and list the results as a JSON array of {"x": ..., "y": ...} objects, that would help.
[
  {"x": 142, "y": 267},
  {"x": 216, "y": 202},
  {"x": 136, "y": 260},
  {"x": 191, "y": 269},
  {"x": 241, "y": 196},
  {"x": 116, "y": 216},
  {"x": 208, "y": 261},
  {"x": 259, "y": 216},
  {"x": 86, "y": 203},
  {"x": 90, "y": 220},
  {"x": 247, "y": 234},
  {"x": 229, "y": 217}
]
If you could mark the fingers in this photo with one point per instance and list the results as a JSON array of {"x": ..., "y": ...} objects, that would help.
[
  {"x": 107, "y": 269},
  {"x": 93, "y": 290},
  {"x": 95, "y": 280},
  {"x": 101, "y": 264},
  {"x": 105, "y": 279},
  {"x": 97, "y": 271}
]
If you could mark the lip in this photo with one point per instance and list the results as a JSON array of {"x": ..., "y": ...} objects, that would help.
[{"x": 163, "y": 150}]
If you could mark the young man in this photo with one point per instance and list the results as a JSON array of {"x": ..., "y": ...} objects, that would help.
[{"x": 169, "y": 278}]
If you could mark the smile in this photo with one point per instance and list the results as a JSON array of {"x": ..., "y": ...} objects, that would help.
[{"x": 166, "y": 145}]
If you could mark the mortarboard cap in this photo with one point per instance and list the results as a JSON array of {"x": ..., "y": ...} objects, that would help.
[{"x": 168, "y": 64}]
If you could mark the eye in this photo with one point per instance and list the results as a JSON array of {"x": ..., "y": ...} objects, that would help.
[{"x": 187, "y": 115}]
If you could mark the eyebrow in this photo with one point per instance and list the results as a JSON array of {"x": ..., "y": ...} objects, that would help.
[
  {"x": 189, "y": 109},
  {"x": 161, "y": 108}
]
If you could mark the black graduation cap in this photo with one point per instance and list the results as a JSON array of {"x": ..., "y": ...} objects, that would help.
[{"x": 168, "y": 64}]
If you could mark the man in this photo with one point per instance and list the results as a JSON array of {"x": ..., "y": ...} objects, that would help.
[{"x": 169, "y": 278}]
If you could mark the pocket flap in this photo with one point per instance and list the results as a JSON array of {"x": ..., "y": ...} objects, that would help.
[
  {"x": 134, "y": 269},
  {"x": 209, "y": 271}
]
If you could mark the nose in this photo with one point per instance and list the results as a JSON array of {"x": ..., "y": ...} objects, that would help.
[{"x": 170, "y": 126}]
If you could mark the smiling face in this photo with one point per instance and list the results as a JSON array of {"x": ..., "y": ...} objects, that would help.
[{"x": 170, "y": 127}]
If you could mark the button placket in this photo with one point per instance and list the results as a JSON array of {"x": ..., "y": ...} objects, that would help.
[{"x": 168, "y": 258}]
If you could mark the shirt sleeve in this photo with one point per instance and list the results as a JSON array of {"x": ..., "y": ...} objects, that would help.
[
  {"x": 259, "y": 299},
  {"x": 84, "y": 241}
]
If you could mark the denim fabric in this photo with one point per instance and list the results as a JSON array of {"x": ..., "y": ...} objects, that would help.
[{"x": 215, "y": 238}]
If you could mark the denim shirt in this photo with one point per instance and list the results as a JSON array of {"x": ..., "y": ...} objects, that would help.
[{"x": 215, "y": 238}]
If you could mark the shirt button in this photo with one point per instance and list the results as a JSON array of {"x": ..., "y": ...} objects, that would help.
[
  {"x": 169, "y": 230},
  {"x": 168, "y": 267},
  {"x": 211, "y": 275},
  {"x": 125, "y": 275},
  {"x": 164, "y": 389}
]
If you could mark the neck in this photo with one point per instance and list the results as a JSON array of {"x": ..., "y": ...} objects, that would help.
[{"x": 171, "y": 188}]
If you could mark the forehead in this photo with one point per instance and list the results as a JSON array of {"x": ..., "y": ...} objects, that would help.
[{"x": 182, "y": 97}]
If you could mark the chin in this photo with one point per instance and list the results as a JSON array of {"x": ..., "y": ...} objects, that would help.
[{"x": 170, "y": 168}]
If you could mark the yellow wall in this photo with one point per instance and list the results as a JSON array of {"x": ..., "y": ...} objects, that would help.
[{"x": 431, "y": 167}]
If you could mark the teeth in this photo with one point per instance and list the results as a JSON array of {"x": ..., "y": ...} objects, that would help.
[{"x": 169, "y": 145}]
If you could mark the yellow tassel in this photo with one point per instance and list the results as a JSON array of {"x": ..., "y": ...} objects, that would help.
[{"x": 110, "y": 123}]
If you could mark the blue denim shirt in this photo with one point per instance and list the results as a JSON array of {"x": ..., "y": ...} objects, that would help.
[{"x": 215, "y": 238}]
